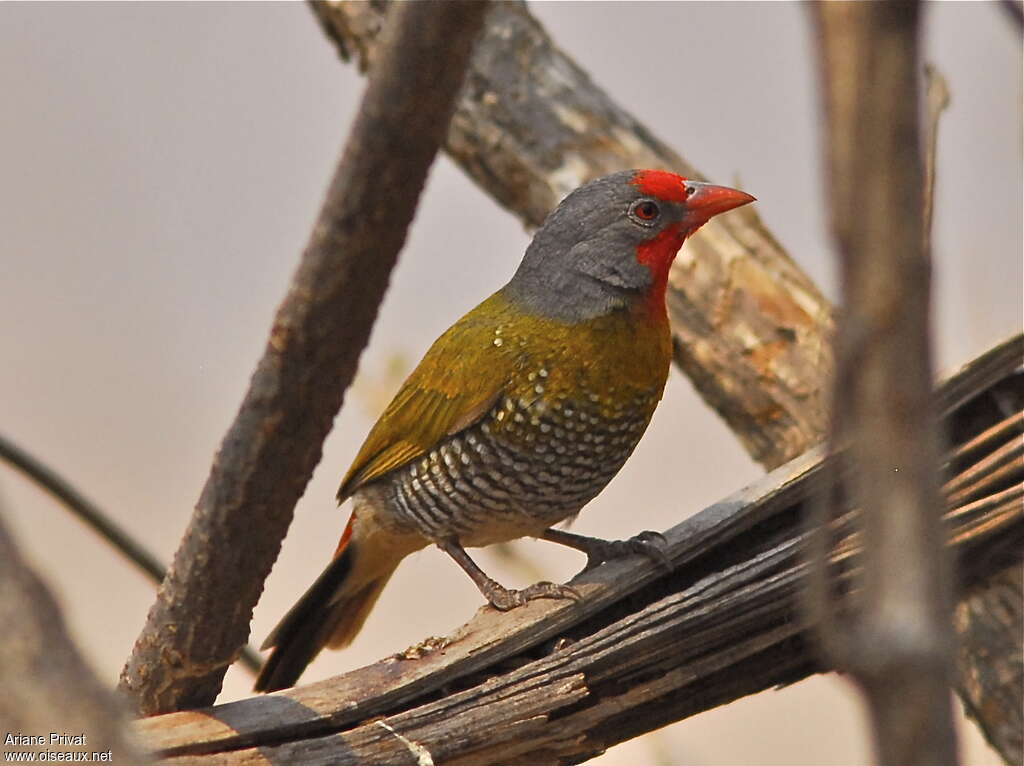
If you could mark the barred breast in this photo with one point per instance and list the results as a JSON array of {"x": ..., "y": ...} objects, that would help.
[{"x": 536, "y": 458}]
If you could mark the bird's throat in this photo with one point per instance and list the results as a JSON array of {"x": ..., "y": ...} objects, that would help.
[{"x": 657, "y": 255}]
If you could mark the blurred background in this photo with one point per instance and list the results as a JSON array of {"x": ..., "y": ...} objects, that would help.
[{"x": 160, "y": 169}]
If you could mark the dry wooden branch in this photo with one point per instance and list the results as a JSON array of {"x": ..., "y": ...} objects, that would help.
[
  {"x": 554, "y": 683},
  {"x": 47, "y": 687},
  {"x": 898, "y": 640},
  {"x": 751, "y": 329},
  {"x": 202, "y": 613}
]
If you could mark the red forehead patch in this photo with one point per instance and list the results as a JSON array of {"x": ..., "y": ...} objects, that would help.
[{"x": 661, "y": 184}]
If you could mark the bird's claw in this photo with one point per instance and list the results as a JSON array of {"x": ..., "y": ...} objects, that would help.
[
  {"x": 648, "y": 543},
  {"x": 503, "y": 599}
]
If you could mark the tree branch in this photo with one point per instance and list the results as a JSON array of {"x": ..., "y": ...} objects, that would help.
[
  {"x": 202, "y": 613},
  {"x": 554, "y": 683},
  {"x": 47, "y": 687},
  {"x": 898, "y": 641}
]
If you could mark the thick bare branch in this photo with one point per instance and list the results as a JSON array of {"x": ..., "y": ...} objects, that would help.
[
  {"x": 202, "y": 613},
  {"x": 553, "y": 683},
  {"x": 751, "y": 329},
  {"x": 898, "y": 644},
  {"x": 47, "y": 687}
]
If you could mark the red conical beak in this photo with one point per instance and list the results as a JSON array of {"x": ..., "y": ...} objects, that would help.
[{"x": 708, "y": 200}]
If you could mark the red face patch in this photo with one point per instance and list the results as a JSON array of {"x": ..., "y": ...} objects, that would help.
[
  {"x": 657, "y": 255},
  {"x": 661, "y": 184}
]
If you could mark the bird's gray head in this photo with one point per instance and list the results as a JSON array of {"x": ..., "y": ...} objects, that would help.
[{"x": 610, "y": 243}]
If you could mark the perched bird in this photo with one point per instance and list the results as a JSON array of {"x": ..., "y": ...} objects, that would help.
[{"x": 520, "y": 413}]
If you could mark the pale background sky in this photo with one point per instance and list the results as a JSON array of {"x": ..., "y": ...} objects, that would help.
[{"x": 161, "y": 166}]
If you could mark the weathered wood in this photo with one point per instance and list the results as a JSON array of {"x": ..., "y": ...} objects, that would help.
[
  {"x": 641, "y": 650},
  {"x": 203, "y": 609},
  {"x": 991, "y": 615}
]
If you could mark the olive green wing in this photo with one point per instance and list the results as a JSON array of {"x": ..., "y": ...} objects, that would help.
[{"x": 458, "y": 380}]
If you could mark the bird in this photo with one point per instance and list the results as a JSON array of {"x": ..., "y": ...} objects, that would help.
[{"x": 519, "y": 414}]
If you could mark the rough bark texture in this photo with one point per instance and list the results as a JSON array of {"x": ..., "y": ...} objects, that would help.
[
  {"x": 751, "y": 330},
  {"x": 989, "y": 618},
  {"x": 897, "y": 641},
  {"x": 203, "y": 609},
  {"x": 557, "y": 682},
  {"x": 47, "y": 687}
]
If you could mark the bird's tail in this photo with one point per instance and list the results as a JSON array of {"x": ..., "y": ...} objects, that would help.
[{"x": 334, "y": 608}]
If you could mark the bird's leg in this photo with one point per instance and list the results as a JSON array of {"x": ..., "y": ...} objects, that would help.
[
  {"x": 649, "y": 544},
  {"x": 497, "y": 595}
]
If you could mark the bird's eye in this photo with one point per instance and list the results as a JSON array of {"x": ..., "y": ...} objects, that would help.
[
  {"x": 645, "y": 210},
  {"x": 690, "y": 191}
]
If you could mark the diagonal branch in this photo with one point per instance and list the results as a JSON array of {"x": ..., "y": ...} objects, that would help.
[
  {"x": 100, "y": 522},
  {"x": 556, "y": 683},
  {"x": 202, "y": 613}
]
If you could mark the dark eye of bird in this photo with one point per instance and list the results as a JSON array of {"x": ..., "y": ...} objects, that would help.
[
  {"x": 689, "y": 191},
  {"x": 646, "y": 210}
]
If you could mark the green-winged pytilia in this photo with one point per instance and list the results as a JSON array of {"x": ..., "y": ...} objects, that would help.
[{"x": 520, "y": 413}]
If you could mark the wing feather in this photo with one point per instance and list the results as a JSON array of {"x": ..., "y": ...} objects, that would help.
[{"x": 458, "y": 380}]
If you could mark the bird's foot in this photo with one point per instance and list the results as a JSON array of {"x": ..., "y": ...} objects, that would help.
[
  {"x": 500, "y": 597},
  {"x": 647, "y": 543},
  {"x": 503, "y": 599}
]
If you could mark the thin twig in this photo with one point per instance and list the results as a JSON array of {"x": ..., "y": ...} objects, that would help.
[
  {"x": 966, "y": 484},
  {"x": 99, "y": 522},
  {"x": 93, "y": 516},
  {"x": 269, "y": 452},
  {"x": 1012, "y": 424},
  {"x": 936, "y": 101}
]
